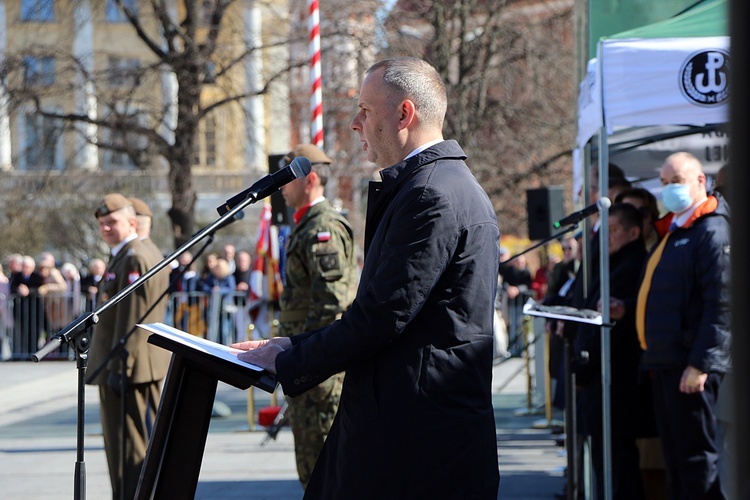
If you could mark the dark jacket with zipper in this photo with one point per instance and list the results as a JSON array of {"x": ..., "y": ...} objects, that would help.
[{"x": 688, "y": 309}]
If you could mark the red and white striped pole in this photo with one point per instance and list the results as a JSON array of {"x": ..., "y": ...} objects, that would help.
[{"x": 316, "y": 98}]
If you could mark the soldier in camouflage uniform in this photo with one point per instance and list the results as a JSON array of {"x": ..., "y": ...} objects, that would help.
[{"x": 320, "y": 283}]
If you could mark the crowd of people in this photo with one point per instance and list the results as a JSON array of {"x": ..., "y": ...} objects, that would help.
[
  {"x": 39, "y": 296},
  {"x": 669, "y": 339}
]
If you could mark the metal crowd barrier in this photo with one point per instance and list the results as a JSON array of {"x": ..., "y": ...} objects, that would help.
[
  {"x": 26, "y": 323},
  {"x": 219, "y": 317}
]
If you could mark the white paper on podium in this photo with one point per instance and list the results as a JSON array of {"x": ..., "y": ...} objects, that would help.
[
  {"x": 199, "y": 344},
  {"x": 531, "y": 308}
]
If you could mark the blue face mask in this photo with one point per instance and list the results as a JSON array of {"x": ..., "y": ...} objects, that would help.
[{"x": 676, "y": 197}]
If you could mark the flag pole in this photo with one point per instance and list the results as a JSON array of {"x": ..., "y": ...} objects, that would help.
[{"x": 316, "y": 98}]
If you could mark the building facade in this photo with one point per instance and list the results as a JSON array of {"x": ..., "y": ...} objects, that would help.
[{"x": 86, "y": 96}]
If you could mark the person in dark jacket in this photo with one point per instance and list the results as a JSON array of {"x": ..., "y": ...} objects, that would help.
[
  {"x": 683, "y": 319},
  {"x": 28, "y": 307},
  {"x": 416, "y": 417},
  {"x": 628, "y": 410}
]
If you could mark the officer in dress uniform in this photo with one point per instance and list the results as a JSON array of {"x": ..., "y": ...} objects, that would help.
[
  {"x": 144, "y": 217},
  {"x": 320, "y": 284},
  {"x": 146, "y": 365}
]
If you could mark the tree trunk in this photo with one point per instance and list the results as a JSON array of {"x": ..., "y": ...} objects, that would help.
[{"x": 182, "y": 213}]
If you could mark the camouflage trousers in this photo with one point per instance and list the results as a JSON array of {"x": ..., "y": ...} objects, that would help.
[{"x": 311, "y": 416}]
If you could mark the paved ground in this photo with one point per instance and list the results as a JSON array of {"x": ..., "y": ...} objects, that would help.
[{"x": 38, "y": 441}]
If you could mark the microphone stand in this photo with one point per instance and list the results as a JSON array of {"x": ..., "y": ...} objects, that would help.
[
  {"x": 571, "y": 439},
  {"x": 555, "y": 236},
  {"x": 76, "y": 334}
]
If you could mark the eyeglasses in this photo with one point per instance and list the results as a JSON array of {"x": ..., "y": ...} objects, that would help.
[{"x": 567, "y": 248}]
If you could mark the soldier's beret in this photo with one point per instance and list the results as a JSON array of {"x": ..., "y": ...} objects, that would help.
[
  {"x": 111, "y": 203},
  {"x": 140, "y": 207},
  {"x": 309, "y": 151}
]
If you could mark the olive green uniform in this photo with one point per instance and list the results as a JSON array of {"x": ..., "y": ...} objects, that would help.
[
  {"x": 320, "y": 284},
  {"x": 146, "y": 364}
]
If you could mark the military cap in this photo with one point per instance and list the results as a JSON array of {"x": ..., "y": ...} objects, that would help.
[
  {"x": 140, "y": 207},
  {"x": 111, "y": 203},
  {"x": 309, "y": 151}
]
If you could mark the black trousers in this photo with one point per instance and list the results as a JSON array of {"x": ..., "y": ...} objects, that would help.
[
  {"x": 626, "y": 475},
  {"x": 687, "y": 427}
]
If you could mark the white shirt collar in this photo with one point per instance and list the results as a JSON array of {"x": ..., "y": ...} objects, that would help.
[
  {"x": 423, "y": 147},
  {"x": 118, "y": 247},
  {"x": 680, "y": 220}
]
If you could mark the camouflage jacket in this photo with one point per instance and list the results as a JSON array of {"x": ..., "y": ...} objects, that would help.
[{"x": 320, "y": 271}]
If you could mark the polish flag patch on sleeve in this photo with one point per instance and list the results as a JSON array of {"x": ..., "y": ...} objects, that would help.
[
  {"x": 133, "y": 276},
  {"x": 324, "y": 236}
]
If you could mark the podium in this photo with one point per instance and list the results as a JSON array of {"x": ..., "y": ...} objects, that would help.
[
  {"x": 565, "y": 313},
  {"x": 175, "y": 450}
]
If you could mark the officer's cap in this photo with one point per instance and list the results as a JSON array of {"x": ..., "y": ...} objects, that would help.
[
  {"x": 111, "y": 203},
  {"x": 309, "y": 151},
  {"x": 140, "y": 207}
]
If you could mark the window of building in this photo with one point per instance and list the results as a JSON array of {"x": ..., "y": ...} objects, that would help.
[
  {"x": 207, "y": 11},
  {"x": 195, "y": 153},
  {"x": 115, "y": 14},
  {"x": 204, "y": 145},
  {"x": 210, "y": 134},
  {"x": 39, "y": 70},
  {"x": 120, "y": 145},
  {"x": 210, "y": 73},
  {"x": 122, "y": 71},
  {"x": 117, "y": 159},
  {"x": 37, "y": 10},
  {"x": 41, "y": 137}
]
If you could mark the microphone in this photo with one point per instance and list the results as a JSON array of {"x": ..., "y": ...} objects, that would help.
[
  {"x": 269, "y": 184},
  {"x": 576, "y": 217}
]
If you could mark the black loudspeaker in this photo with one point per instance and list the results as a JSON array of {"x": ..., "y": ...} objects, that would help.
[
  {"x": 280, "y": 213},
  {"x": 544, "y": 207}
]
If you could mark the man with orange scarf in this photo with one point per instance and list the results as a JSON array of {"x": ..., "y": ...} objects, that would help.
[{"x": 683, "y": 319}]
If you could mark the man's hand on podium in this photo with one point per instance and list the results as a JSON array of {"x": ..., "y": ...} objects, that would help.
[{"x": 263, "y": 353}]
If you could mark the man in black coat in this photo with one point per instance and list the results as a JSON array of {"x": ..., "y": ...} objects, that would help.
[
  {"x": 627, "y": 254},
  {"x": 416, "y": 417}
]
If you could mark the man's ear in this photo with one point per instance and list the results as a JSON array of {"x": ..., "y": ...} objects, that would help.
[
  {"x": 312, "y": 179},
  {"x": 702, "y": 178},
  {"x": 408, "y": 113},
  {"x": 634, "y": 233}
]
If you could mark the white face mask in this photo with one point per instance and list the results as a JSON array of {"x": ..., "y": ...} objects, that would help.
[{"x": 676, "y": 197}]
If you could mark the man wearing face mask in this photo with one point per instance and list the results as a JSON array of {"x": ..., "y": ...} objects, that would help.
[{"x": 683, "y": 318}]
